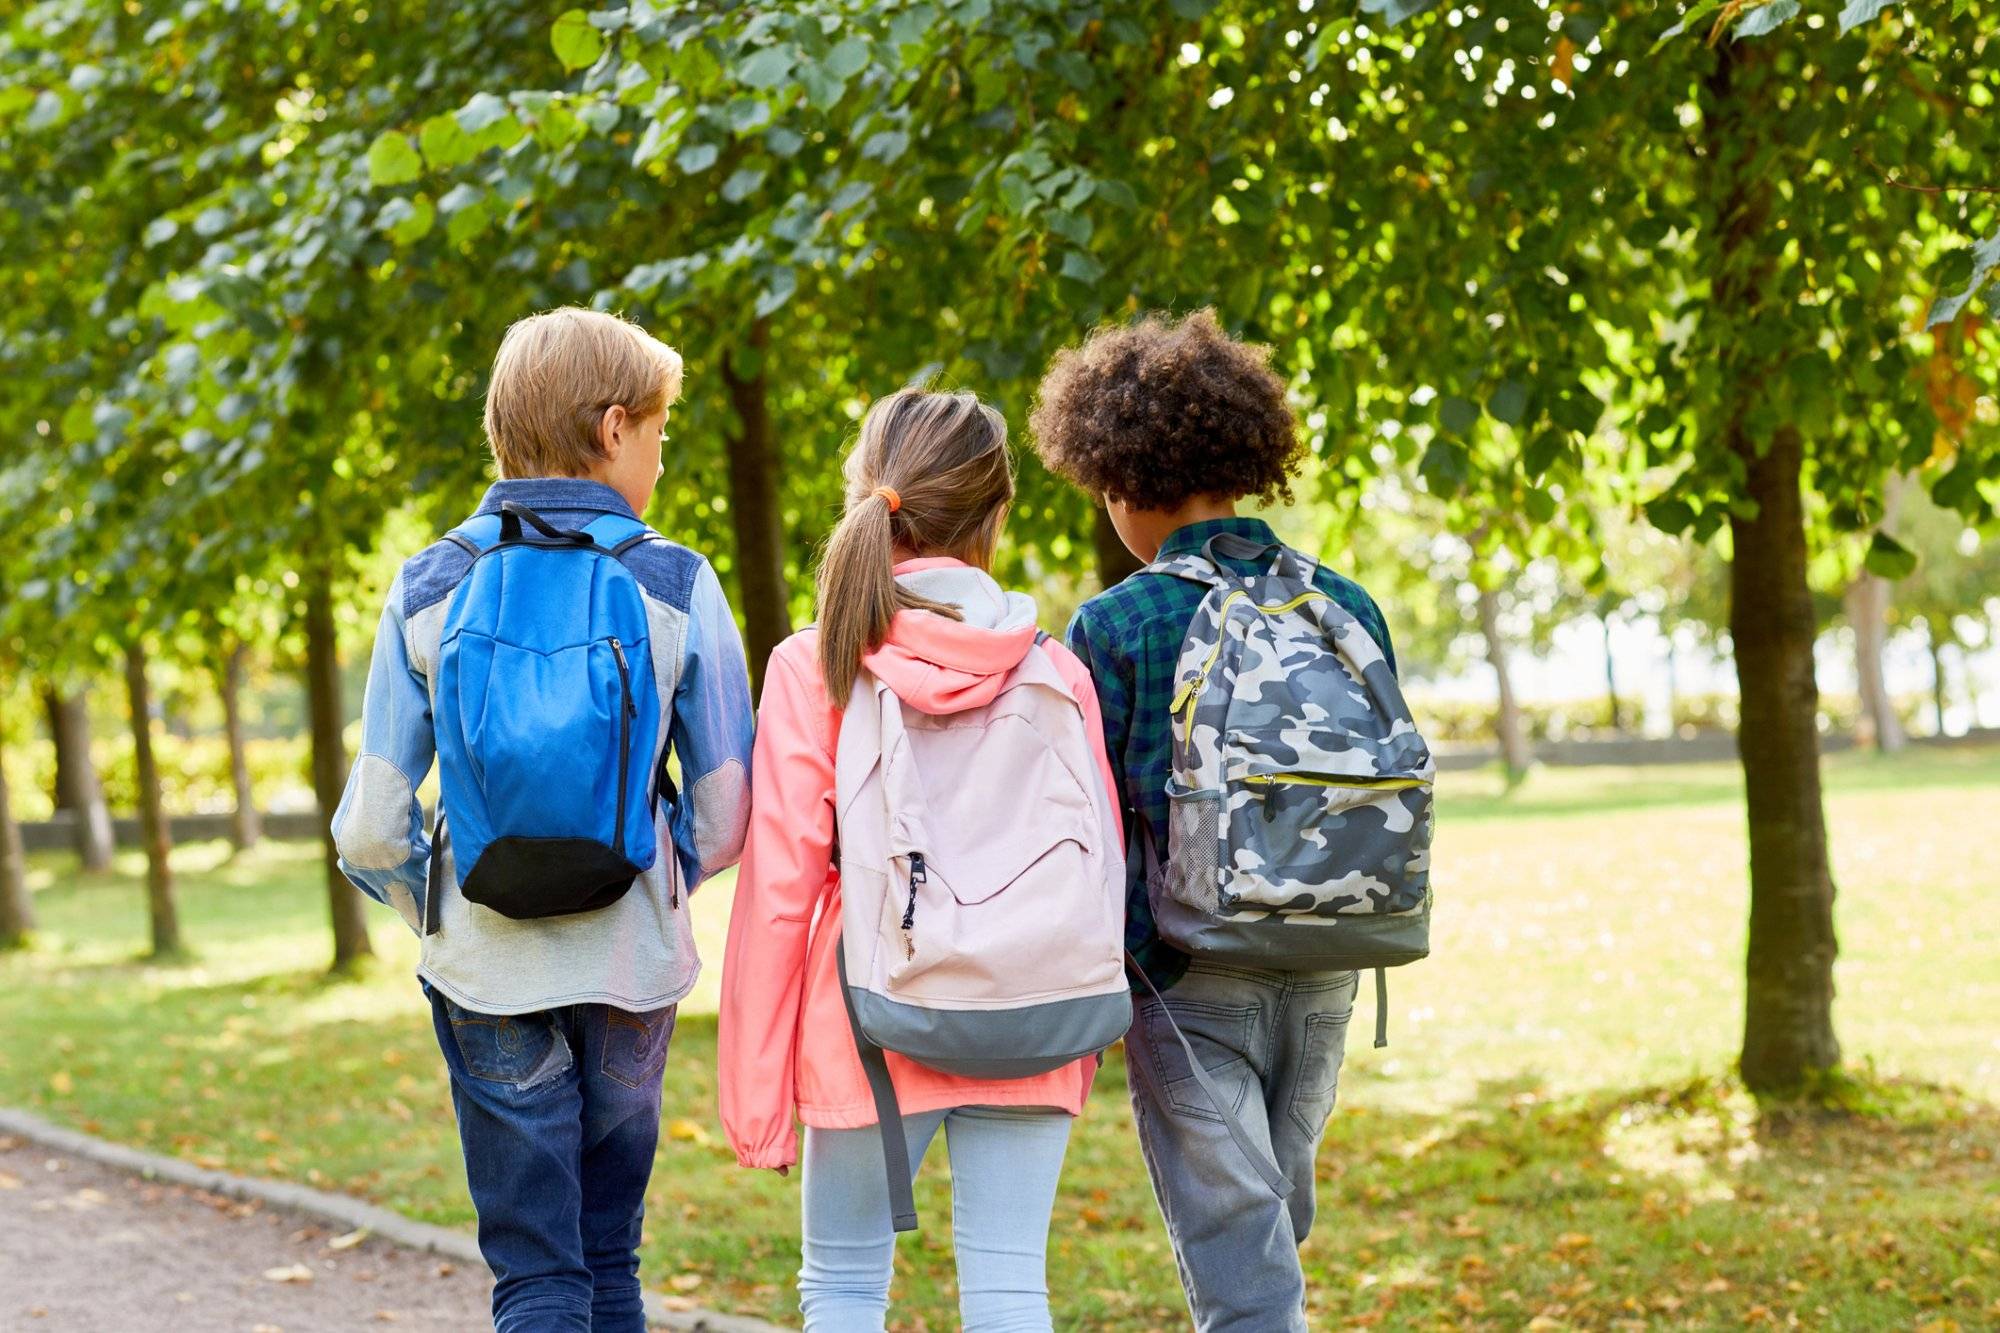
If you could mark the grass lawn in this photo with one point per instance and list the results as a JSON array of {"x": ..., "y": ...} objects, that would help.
[{"x": 1548, "y": 1142}]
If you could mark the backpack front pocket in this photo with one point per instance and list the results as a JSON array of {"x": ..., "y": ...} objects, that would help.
[
  {"x": 1325, "y": 844},
  {"x": 949, "y": 927}
]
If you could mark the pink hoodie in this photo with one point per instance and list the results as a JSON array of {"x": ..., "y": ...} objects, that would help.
[{"x": 785, "y": 1047}]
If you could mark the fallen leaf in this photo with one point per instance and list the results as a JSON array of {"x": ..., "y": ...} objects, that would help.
[
  {"x": 348, "y": 1240},
  {"x": 687, "y": 1131},
  {"x": 684, "y": 1281},
  {"x": 61, "y": 1083},
  {"x": 9, "y": 1182},
  {"x": 289, "y": 1273}
]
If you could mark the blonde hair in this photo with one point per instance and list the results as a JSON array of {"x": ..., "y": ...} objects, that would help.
[
  {"x": 930, "y": 472},
  {"x": 556, "y": 375}
]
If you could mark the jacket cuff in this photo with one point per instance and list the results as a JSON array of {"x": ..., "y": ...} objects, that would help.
[{"x": 783, "y": 1153}]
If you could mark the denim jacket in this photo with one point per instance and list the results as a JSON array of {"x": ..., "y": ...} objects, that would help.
[{"x": 639, "y": 953}]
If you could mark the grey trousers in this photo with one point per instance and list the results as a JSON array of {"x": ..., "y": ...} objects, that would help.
[{"x": 1272, "y": 1042}]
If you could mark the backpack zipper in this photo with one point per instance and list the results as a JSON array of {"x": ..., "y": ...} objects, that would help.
[
  {"x": 1192, "y": 690},
  {"x": 918, "y": 875},
  {"x": 625, "y": 718},
  {"x": 1269, "y": 780}
]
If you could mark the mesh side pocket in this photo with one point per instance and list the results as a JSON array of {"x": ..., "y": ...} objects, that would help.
[{"x": 1193, "y": 876}]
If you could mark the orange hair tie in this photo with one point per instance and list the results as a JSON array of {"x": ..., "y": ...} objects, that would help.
[{"x": 889, "y": 493}]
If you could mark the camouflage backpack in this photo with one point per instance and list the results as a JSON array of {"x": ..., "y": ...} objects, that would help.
[{"x": 1299, "y": 826}]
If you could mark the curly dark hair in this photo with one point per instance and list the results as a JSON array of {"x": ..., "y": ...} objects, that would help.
[{"x": 1160, "y": 412}]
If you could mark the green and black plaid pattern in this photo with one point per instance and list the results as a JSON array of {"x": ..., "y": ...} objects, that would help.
[{"x": 1130, "y": 638}]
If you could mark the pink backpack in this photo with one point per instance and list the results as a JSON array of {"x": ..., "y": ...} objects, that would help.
[{"x": 982, "y": 887}]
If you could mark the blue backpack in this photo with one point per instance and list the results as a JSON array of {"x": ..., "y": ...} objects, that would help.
[{"x": 547, "y": 718}]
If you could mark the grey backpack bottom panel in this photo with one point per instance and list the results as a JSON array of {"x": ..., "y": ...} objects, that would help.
[
  {"x": 994, "y": 1043},
  {"x": 1296, "y": 943}
]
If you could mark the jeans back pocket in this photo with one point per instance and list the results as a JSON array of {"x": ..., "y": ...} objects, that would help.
[{"x": 635, "y": 1045}]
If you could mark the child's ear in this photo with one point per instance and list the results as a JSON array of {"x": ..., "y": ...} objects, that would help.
[{"x": 610, "y": 428}]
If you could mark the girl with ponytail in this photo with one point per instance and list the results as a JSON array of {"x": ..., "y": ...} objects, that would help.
[{"x": 906, "y": 601}]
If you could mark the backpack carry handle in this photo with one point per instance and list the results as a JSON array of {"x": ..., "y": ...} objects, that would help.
[
  {"x": 513, "y": 514},
  {"x": 1286, "y": 562}
]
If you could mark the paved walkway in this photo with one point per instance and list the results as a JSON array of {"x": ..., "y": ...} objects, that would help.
[{"x": 86, "y": 1248}]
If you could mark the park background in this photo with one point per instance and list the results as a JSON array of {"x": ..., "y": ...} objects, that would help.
[{"x": 1645, "y": 360}]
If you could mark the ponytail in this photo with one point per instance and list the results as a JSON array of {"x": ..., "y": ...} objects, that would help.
[{"x": 931, "y": 472}]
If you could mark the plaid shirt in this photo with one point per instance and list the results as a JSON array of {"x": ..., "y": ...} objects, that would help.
[{"x": 1130, "y": 637}]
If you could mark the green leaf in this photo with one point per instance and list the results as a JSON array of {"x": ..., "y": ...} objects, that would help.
[
  {"x": 407, "y": 220},
  {"x": 1194, "y": 9},
  {"x": 1889, "y": 558},
  {"x": 1508, "y": 402},
  {"x": 1082, "y": 267},
  {"x": 445, "y": 142},
  {"x": 885, "y": 146},
  {"x": 1765, "y": 18},
  {"x": 783, "y": 141},
  {"x": 1985, "y": 259},
  {"x": 481, "y": 114},
  {"x": 1458, "y": 415},
  {"x": 1690, "y": 16},
  {"x": 823, "y": 90},
  {"x": 1539, "y": 506},
  {"x": 776, "y": 292},
  {"x": 767, "y": 67},
  {"x": 695, "y": 158},
  {"x": 577, "y": 44},
  {"x": 1444, "y": 467},
  {"x": 1543, "y": 452},
  {"x": 1393, "y": 12},
  {"x": 391, "y": 160},
  {"x": 1858, "y": 12},
  {"x": 459, "y": 198},
  {"x": 742, "y": 184},
  {"x": 1670, "y": 515},
  {"x": 847, "y": 59},
  {"x": 1072, "y": 227},
  {"x": 1578, "y": 410}
]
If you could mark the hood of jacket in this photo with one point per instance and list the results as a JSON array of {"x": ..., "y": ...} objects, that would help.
[{"x": 938, "y": 665}]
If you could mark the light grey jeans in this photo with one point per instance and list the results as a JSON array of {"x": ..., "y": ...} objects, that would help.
[
  {"x": 1272, "y": 1042},
  {"x": 1005, "y": 1162}
]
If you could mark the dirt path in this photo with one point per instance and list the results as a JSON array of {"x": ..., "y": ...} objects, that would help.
[{"x": 84, "y": 1247}]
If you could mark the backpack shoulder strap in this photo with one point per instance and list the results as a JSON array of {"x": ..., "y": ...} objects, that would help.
[
  {"x": 616, "y": 534},
  {"x": 1193, "y": 568},
  {"x": 1255, "y": 1153},
  {"x": 888, "y": 1113},
  {"x": 476, "y": 535}
]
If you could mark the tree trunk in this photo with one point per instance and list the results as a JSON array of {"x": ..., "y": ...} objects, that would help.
[
  {"x": 246, "y": 827},
  {"x": 1114, "y": 562},
  {"x": 1939, "y": 686},
  {"x": 17, "y": 910},
  {"x": 78, "y": 789},
  {"x": 1611, "y": 680},
  {"x": 1788, "y": 1020},
  {"x": 1788, "y": 1013},
  {"x": 155, "y": 833},
  {"x": 1673, "y": 687},
  {"x": 754, "y": 513},
  {"x": 1867, "y": 610},
  {"x": 329, "y": 767},
  {"x": 1514, "y": 751}
]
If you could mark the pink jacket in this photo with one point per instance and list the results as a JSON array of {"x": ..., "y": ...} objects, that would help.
[{"x": 785, "y": 1047}]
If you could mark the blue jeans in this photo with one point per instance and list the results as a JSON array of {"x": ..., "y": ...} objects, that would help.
[
  {"x": 558, "y": 1114},
  {"x": 1004, "y": 1166},
  {"x": 1272, "y": 1042}
]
